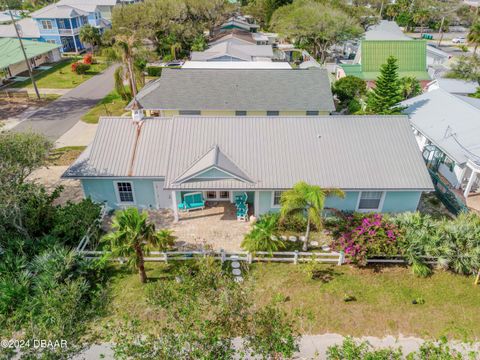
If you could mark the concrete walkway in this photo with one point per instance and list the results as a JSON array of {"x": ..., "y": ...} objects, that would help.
[
  {"x": 81, "y": 134},
  {"x": 61, "y": 115}
]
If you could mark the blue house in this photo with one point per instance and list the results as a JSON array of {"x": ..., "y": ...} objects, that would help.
[
  {"x": 154, "y": 162},
  {"x": 60, "y": 24}
]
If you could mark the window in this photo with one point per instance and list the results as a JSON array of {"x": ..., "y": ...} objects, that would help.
[
  {"x": 449, "y": 163},
  {"x": 155, "y": 113},
  {"x": 51, "y": 41},
  {"x": 272, "y": 113},
  {"x": 277, "y": 195},
  {"x": 47, "y": 25},
  {"x": 125, "y": 192},
  {"x": 370, "y": 200},
  {"x": 224, "y": 195},
  {"x": 189, "y": 112},
  {"x": 312, "y": 112},
  {"x": 211, "y": 195},
  {"x": 240, "y": 113}
]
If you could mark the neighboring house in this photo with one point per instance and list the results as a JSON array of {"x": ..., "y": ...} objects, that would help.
[
  {"x": 12, "y": 60},
  {"x": 385, "y": 40},
  {"x": 5, "y": 17},
  {"x": 152, "y": 163},
  {"x": 27, "y": 29},
  {"x": 447, "y": 128},
  {"x": 436, "y": 56},
  {"x": 229, "y": 51},
  {"x": 240, "y": 37},
  {"x": 105, "y": 7},
  {"x": 238, "y": 92},
  {"x": 241, "y": 23},
  {"x": 61, "y": 24},
  {"x": 454, "y": 86},
  {"x": 236, "y": 65}
]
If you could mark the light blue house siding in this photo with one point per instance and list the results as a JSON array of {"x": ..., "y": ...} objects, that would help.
[
  {"x": 104, "y": 191},
  {"x": 61, "y": 31}
]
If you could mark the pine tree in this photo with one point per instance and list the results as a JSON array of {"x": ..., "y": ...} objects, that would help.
[{"x": 383, "y": 99}]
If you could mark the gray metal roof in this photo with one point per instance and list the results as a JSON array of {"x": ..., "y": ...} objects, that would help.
[
  {"x": 455, "y": 86},
  {"x": 54, "y": 11},
  {"x": 386, "y": 30},
  {"x": 239, "y": 89},
  {"x": 228, "y": 48},
  {"x": 348, "y": 152},
  {"x": 448, "y": 121}
]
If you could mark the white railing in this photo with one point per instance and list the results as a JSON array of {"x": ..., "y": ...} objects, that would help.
[
  {"x": 294, "y": 257},
  {"x": 88, "y": 235}
]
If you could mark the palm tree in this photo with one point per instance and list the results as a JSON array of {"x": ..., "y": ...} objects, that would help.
[
  {"x": 473, "y": 36},
  {"x": 421, "y": 17},
  {"x": 132, "y": 237},
  {"x": 307, "y": 201},
  {"x": 90, "y": 35}
]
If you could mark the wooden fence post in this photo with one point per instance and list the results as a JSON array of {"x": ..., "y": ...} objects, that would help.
[
  {"x": 222, "y": 256},
  {"x": 295, "y": 257},
  {"x": 249, "y": 258},
  {"x": 341, "y": 258},
  {"x": 165, "y": 256}
]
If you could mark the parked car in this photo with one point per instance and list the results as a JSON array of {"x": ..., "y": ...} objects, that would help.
[
  {"x": 458, "y": 40},
  {"x": 174, "y": 63}
]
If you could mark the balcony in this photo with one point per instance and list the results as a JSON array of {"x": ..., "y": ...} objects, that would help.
[{"x": 74, "y": 31}]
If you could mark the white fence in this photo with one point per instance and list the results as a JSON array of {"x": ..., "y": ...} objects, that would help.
[
  {"x": 294, "y": 257},
  {"x": 88, "y": 236}
]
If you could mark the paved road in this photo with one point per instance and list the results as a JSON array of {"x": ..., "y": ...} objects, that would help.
[{"x": 60, "y": 115}]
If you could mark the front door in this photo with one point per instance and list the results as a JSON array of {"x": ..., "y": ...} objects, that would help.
[{"x": 163, "y": 197}]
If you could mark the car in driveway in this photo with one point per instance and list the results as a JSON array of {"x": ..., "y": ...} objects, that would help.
[{"x": 458, "y": 40}]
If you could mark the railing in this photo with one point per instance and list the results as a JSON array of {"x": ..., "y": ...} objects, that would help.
[
  {"x": 88, "y": 236},
  {"x": 447, "y": 196}
]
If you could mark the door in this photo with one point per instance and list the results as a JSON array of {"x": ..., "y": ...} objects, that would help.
[{"x": 162, "y": 197}]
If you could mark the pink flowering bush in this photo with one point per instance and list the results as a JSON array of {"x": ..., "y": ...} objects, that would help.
[{"x": 365, "y": 235}]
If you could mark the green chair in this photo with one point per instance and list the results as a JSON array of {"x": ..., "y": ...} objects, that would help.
[{"x": 192, "y": 201}]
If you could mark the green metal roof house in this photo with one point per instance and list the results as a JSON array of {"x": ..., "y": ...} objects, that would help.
[{"x": 13, "y": 61}]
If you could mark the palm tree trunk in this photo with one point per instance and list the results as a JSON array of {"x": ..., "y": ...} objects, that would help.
[
  {"x": 307, "y": 235},
  {"x": 475, "y": 49},
  {"x": 133, "y": 82},
  {"x": 141, "y": 265}
]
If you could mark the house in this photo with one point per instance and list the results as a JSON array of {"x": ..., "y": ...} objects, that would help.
[
  {"x": 385, "y": 40},
  {"x": 105, "y": 7},
  {"x": 13, "y": 62},
  {"x": 5, "y": 17},
  {"x": 230, "y": 51},
  {"x": 236, "y": 65},
  {"x": 240, "y": 92},
  {"x": 454, "y": 86},
  {"x": 61, "y": 24},
  {"x": 152, "y": 163},
  {"x": 241, "y": 23},
  {"x": 235, "y": 36},
  {"x": 447, "y": 128},
  {"x": 27, "y": 29}
]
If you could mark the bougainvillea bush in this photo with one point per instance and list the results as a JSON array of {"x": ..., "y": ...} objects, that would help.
[{"x": 365, "y": 235}]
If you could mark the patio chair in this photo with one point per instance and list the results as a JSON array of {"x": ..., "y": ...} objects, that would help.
[
  {"x": 192, "y": 201},
  {"x": 242, "y": 213}
]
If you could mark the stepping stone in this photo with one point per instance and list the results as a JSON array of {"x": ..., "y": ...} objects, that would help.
[
  {"x": 326, "y": 248},
  {"x": 235, "y": 264},
  {"x": 292, "y": 238},
  {"x": 314, "y": 243},
  {"x": 238, "y": 279},
  {"x": 283, "y": 237},
  {"x": 301, "y": 238},
  {"x": 236, "y": 272}
]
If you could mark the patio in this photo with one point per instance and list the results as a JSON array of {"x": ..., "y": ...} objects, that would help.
[{"x": 215, "y": 227}]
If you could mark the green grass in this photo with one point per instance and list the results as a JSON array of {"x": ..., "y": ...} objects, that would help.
[
  {"x": 110, "y": 105},
  {"x": 383, "y": 303},
  {"x": 64, "y": 156},
  {"x": 60, "y": 76}
]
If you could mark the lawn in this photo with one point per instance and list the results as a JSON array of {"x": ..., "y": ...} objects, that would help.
[
  {"x": 64, "y": 156},
  {"x": 110, "y": 105},
  {"x": 60, "y": 76},
  {"x": 383, "y": 303}
]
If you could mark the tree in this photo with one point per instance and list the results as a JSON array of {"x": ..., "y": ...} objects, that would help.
[
  {"x": 132, "y": 238},
  {"x": 420, "y": 17},
  {"x": 466, "y": 68},
  {"x": 199, "y": 43},
  {"x": 473, "y": 36},
  {"x": 410, "y": 87},
  {"x": 264, "y": 9},
  {"x": 383, "y": 99},
  {"x": 264, "y": 235},
  {"x": 349, "y": 88},
  {"x": 315, "y": 25},
  {"x": 307, "y": 201},
  {"x": 90, "y": 35}
]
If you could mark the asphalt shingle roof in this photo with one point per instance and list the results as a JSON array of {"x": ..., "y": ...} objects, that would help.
[
  {"x": 239, "y": 89},
  {"x": 348, "y": 152}
]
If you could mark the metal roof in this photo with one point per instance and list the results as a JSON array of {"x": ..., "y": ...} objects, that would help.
[
  {"x": 448, "y": 121},
  {"x": 54, "y": 11},
  {"x": 454, "y": 86},
  {"x": 239, "y": 89},
  {"x": 348, "y": 152},
  {"x": 27, "y": 28},
  {"x": 238, "y": 51},
  {"x": 385, "y": 30},
  {"x": 11, "y": 52},
  {"x": 236, "y": 65}
]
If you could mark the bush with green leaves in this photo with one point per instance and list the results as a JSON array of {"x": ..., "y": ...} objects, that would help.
[
  {"x": 264, "y": 236},
  {"x": 354, "y": 350},
  {"x": 153, "y": 71}
]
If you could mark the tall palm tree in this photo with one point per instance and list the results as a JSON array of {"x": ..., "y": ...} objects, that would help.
[
  {"x": 420, "y": 17},
  {"x": 132, "y": 237},
  {"x": 307, "y": 201},
  {"x": 473, "y": 36}
]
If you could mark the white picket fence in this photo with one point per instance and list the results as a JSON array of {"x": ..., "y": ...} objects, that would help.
[{"x": 294, "y": 257}]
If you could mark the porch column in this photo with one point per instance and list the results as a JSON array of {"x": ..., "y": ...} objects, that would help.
[
  {"x": 74, "y": 41},
  {"x": 256, "y": 204},
  {"x": 473, "y": 176},
  {"x": 175, "y": 205}
]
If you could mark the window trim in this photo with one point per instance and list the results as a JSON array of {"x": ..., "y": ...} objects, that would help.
[
  {"x": 380, "y": 204},
  {"x": 217, "y": 195},
  {"x": 43, "y": 22},
  {"x": 272, "y": 200},
  {"x": 117, "y": 193}
]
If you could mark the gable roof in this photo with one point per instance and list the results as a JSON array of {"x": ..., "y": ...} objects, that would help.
[
  {"x": 213, "y": 159},
  {"x": 27, "y": 28},
  {"x": 348, "y": 152},
  {"x": 55, "y": 11},
  {"x": 385, "y": 30},
  {"x": 239, "y": 89},
  {"x": 237, "y": 34},
  {"x": 245, "y": 52},
  {"x": 450, "y": 122},
  {"x": 11, "y": 52},
  {"x": 454, "y": 86}
]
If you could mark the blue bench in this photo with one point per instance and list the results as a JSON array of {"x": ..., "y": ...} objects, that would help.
[{"x": 192, "y": 201}]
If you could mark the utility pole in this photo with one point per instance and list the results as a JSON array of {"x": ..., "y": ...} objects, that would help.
[
  {"x": 24, "y": 53},
  {"x": 440, "y": 31}
]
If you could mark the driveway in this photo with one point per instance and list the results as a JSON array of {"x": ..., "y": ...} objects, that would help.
[{"x": 59, "y": 116}]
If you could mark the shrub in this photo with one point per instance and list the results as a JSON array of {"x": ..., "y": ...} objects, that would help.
[
  {"x": 88, "y": 59},
  {"x": 264, "y": 236},
  {"x": 80, "y": 68},
  {"x": 74, "y": 66},
  {"x": 154, "y": 70},
  {"x": 364, "y": 235},
  {"x": 352, "y": 350}
]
